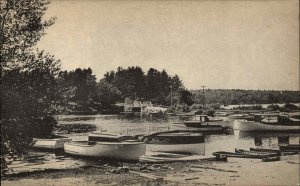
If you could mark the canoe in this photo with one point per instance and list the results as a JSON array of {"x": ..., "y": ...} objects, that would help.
[
  {"x": 126, "y": 150},
  {"x": 246, "y": 126},
  {"x": 50, "y": 143},
  {"x": 175, "y": 142}
]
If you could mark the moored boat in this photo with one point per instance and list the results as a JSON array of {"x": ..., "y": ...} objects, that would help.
[
  {"x": 268, "y": 123},
  {"x": 56, "y": 142},
  {"x": 200, "y": 121},
  {"x": 184, "y": 142}
]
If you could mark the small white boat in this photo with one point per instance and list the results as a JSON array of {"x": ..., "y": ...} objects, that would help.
[
  {"x": 127, "y": 150},
  {"x": 175, "y": 142},
  {"x": 50, "y": 143},
  {"x": 107, "y": 146},
  {"x": 268, "y": 123}
]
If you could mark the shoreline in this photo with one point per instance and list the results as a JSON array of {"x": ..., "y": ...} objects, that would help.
[{"x": 234, "y": 172}]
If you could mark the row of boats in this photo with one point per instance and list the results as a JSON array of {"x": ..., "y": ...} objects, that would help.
[
  {"x": 268, "y": 122},
  {"x": 251, "y": 123},
  {"x": 191, "y": 140},
  {"x": 127, "y": 147}
]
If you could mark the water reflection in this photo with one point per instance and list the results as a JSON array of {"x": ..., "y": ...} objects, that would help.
[{"x": 268, "y": 139}]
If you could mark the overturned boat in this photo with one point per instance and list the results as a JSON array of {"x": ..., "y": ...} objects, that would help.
[
  {"x": 268, "y": 123},
  {"x": 181, "y": 142},
  {"x": 107, "y": 146}
]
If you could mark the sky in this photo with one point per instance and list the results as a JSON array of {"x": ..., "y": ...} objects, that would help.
[{"x": 219, "y": 44}]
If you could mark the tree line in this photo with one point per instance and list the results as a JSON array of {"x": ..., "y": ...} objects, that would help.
[
  {"x": 237, "y": 96},
  {"x": 115, "y": 86}
]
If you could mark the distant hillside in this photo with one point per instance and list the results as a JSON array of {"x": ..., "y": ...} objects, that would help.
[{"x": 237, "y": 96}]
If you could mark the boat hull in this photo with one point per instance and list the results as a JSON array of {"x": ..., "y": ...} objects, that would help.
[
  {"x": 195, "y": 148},
  {"x": 57, "y": 143},
  {"x": 248, "y": 126},
  {"x": 107, "y": 150}
]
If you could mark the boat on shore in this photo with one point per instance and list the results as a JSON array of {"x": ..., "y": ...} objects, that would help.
[
  {"x": 245, "y": 154},
  {"x": 107, "y": 146},
  {"x": 180, "y": 142},
  {"x": 51, "y": 143},
  {"x": 281, "y": 152},
  {"x": 268, "y": 123},
  {"x": 290, "y": 148}
]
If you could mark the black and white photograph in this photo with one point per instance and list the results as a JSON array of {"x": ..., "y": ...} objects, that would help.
[{"x": 150, "y": 92}]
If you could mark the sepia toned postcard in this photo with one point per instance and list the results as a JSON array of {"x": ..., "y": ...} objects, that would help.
[{"x": 150, "y": 92}]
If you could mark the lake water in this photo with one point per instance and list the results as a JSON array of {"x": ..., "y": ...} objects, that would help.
[{"x": 78, "y": 127}]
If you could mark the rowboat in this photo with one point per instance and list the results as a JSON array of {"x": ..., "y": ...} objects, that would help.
[
  {"x": 56, "y": 142},
  {"x": 272, "y": 158},
  {"x": 268, "y": 123},
  {"x": 278, "y": 151},
  {"x": 169, "y": 157},
  {"x": 107, "y": 146},
  {"x": 244, "y": 154},
  {"x": 182, "y": 142},
  {"x": 290, "y": 148}
]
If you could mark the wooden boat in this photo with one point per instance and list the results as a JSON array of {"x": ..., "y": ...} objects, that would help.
[
  {"x": 107, "y": 146},
  {"x": 204, "y": 128},
  {"x": 169, "y": 157},
  {"x": 290, "y": 148},
  {"x": 109, "y": 137},
  {"x": 248, "y": 154},
  {"x": 202, "y": 121},
  {"x": 270, "y": 159},
  {"x": 278, "y": 151},
  {"x": 52, "y": 143},
  {"x": 268, "y": 123},
  {"x": 184, "y": 142},
  {"x": 256, "y": 152}
]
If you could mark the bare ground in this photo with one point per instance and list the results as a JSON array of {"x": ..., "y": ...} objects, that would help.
[{"x": 234, "y": 172}]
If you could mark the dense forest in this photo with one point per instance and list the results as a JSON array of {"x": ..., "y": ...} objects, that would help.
[
  {"x": 236, "y": 96},
  {"x": 115, "y": 86},
  {"x": 156, "y": 86}
]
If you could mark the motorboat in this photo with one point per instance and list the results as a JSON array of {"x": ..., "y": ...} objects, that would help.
[
  {"x": 182, "y": 142},
  {"x": 264, "y": 122},
  {"x": 107, "y": 146},
  {"x": 51, "y": 143},
  {"x": 202, "y": 122}
]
